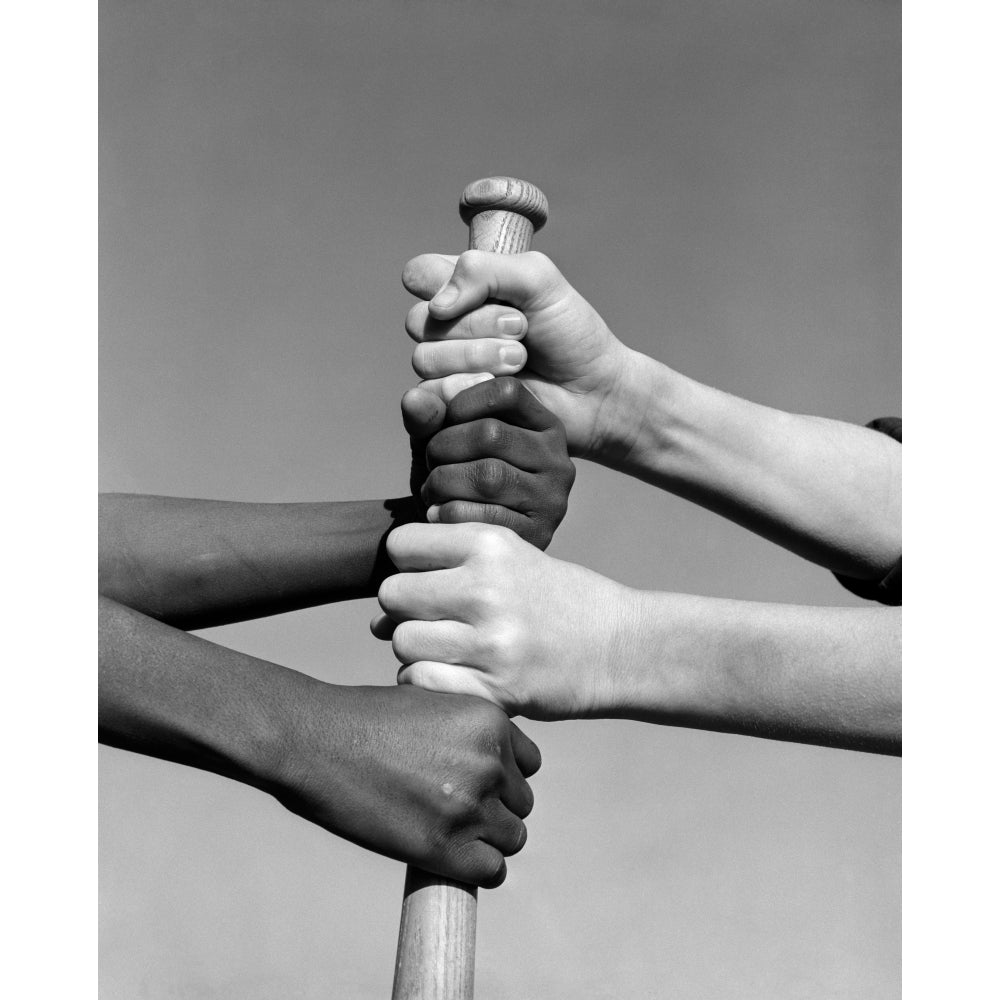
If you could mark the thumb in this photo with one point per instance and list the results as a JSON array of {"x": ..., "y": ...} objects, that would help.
[
  {"x": 423, "y": 415},
  {"x": 447, "y": 678}
]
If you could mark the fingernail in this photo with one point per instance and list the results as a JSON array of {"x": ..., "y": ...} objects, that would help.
[
  {"x": 512, "y": 355},
  {"x": 510, "y": 325},
  {"x": 433, "y": 514},
  {"x": 445, "y": 297}
]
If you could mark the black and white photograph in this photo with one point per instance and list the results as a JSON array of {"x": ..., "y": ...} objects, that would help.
[{"x": 500, "y": 500}]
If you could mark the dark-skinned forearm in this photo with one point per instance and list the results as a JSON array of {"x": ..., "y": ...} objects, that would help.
[
  {"x": 175, "y": 696},
  {"x": 200, "y": 563},
  {"x": 428, "y": 779}
]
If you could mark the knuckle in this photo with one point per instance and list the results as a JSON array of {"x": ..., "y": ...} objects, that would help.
[
  {"x": 479, "y": 354},
  {"x": 470, "y": 258},
  {"x": 446, "y": 648},
  {"x": 490, "y": 644},
  {"x": 492, "y": 434},
  {"x": 492, "y": 548},
  {"x": 499, "y": 515},
  {"x": 414, "y": 674},
  {"x": 468, "y": 264},
  {"x": 506, "y": 390},
  {"x": 458, "y": 809},
  {"x": 540, "y": 263},
  {"x": 491, "y": 476},
  {"x": 492, "y": 770},
  {"x": 487, "y": 724},
  {"x": 497, "y": 642},
  {"x": 402, "y": 646}
]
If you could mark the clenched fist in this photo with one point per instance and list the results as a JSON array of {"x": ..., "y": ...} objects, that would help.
[
  {"x": 499, "y": 457},
  {"x": 479, "y": 611},
  {"x": 547, "y": 334}
]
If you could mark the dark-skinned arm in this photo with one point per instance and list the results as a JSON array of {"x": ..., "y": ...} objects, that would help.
[
  {"x": 432, "y": 780},
  {"x": 199, "y": 563}
]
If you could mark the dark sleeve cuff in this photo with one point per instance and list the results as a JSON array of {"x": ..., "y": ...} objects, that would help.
[{"x": 888, "y": 590}]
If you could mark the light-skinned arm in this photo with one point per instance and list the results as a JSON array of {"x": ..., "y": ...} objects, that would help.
[
  {"x": 827, "y": 490},
  {"x": 480, "y": 612},
  {"x": 432, "y": 780}
]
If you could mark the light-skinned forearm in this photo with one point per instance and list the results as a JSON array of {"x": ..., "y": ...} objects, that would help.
[
  {"x": 827, "y": 490},
  {"x": 829, "y": 676},
  {"x": 200, "y": 563}
]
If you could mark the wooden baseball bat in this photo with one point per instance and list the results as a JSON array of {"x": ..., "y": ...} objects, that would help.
[{"x": 436, "y": 954}]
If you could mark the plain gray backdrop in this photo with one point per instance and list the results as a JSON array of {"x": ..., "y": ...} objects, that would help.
[{"x": 724, "y": 183}]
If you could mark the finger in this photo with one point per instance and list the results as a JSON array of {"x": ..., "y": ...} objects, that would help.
[
  {"x": 490, "y": 438},
  {"x": 451, "y": 385},
  {"x": 488, "y": 480},
  {"x": 419, "y": 547},
  {"x": 382, "y": 627},
  {"x": 499, "y": 357},
  {"x": 494, "y": 319},
  {"x": 428, "y": 596},
  {"x": 447, "y": 678},
  {"x": 505, "y": 399},
  {"x": 504, "y": 830},
  {"x": 483, "y": 865},
  {"x": 517, "y": 796},
  {"x": 517, "y": 279},
  {"x": 424, "y": 275},
  {"x": 423, "y": 412},
  {"x": 467, "y": 512},
  {"x": 526, "y": 752},
  {"x": 446, "y": 642}
]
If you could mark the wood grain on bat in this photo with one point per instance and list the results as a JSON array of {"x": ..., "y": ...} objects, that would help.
[{"x": 435, "y": 956}]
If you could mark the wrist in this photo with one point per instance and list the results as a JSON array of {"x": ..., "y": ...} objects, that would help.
[
  {"x": 662, "y": 671},
  {"x": 267, "y": 757},
  {"x": 616, "y": 687},
  {"x": 638, "y": 415}
]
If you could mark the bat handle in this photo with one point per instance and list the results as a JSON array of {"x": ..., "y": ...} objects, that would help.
[{"x": 436, "y": 954}]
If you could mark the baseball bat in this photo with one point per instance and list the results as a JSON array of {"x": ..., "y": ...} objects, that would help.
[{"x": 436, "y": 953}]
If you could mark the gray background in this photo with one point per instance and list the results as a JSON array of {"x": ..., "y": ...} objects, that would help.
[{"x": 724, "y": 185}]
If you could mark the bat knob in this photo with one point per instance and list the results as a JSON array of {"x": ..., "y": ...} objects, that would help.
[{"x": 502, "y": 214}]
